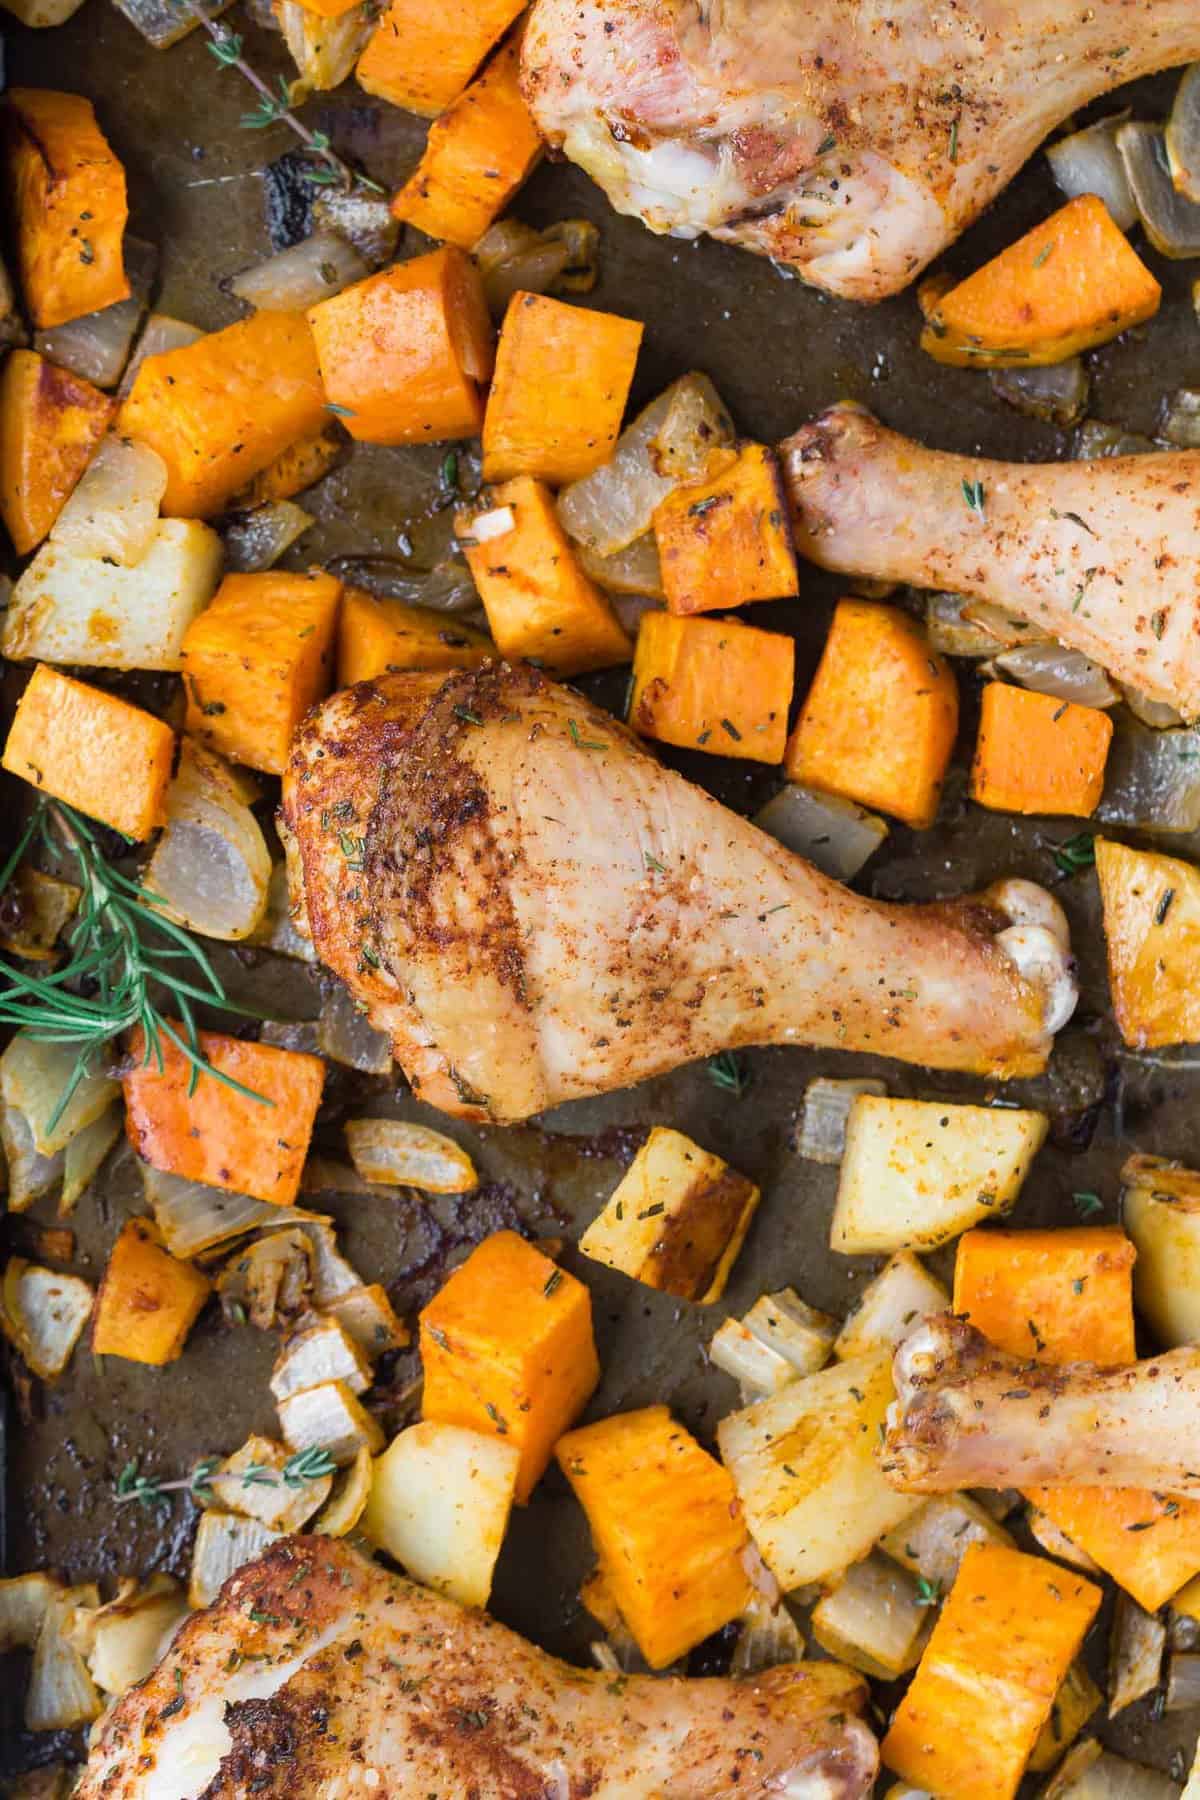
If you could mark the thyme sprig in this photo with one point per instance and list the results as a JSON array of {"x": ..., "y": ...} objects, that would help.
[
  {"x": 274, "y": 104},
  {"x": 303, "y": 1467},
  {"x": 123, "y": 951}
]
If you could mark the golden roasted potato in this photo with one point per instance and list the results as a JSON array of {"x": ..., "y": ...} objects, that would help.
[{"x": 1152, "y": 924}]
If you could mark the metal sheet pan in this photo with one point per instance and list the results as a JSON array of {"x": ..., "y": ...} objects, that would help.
[{"x": 778, "y": 352}]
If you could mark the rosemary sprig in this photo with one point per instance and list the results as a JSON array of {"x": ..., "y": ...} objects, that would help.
[
  {"x": 300, "y": 1469},
  {"x": 727, "y": 1071},
  {"x": 123, "y": 949},
  {"x": 274, "y": 105}
]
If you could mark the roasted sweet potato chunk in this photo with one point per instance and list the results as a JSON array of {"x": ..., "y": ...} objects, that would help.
[
  {"x": 66, "y": 193},
  {"x": 50, "y": 424},
  {"x": 423, "y": 55}
]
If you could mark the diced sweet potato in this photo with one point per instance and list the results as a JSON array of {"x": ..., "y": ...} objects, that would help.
[
  {"x": 712, "y": 684},
  {"x": 403, "y": 353},
  {"x": 375, "y": 636},
  {"x": 221, "y": 409},
  {"x": 562, "y": 378},
  {"x": 257, "y": 659},
  {"x": 1148, "y": 1543},
  {"x": 298, "y": 467},
  {"x": 422, "y": 56},
  {"x": 148, "y": 1300},
  {"x": 96, "y": 752},
  {"x": 676, "y": 1221},
  {"x": 727, "y": 541},
  {"x": 666, "y": 1526},
  {"x": 476, "y": 157},
  {"x": 538, "y": 600},
  {"x": 507, "y": 1348},
  {"x": 249, "y": 1143},
  {"x": 1062, "y": 1296},
  {"x": 879, "y": 722},
  {"x": 1020, "y": 1289},
  {"x": 1071, "y": 283},
  {"x": 66, "y": 194},
  {"x": 1152, "y": 928},
  {"x": 1036, "y": 754},
  {"x": 50, "y": 424},
  {"x": 999, "y": 1653}
]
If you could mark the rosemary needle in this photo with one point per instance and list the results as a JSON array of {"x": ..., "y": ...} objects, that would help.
[{"x": 122, "y": 950}]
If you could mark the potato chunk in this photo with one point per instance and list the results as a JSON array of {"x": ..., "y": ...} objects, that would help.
[{"x": 917, "y": 1173}]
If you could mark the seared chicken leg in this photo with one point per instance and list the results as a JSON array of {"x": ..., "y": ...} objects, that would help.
[
  {"x": 1105, "y": 555},
  {"x": 851, "y": 139},
  {"x": 317, "y": 1674},
  {"x": 537, "y": 910},
  {"x": 969, "y": 1415}
]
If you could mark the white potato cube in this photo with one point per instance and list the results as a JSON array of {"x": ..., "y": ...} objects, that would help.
[
  {"x": 1160, "y": 1208},
  {"x": 440, "y": 1500},
  {"x": 902, "y": 1293},
  {"x": 806, "y": 1469},
  {"x": 81, "y": 609},
  {"x": 916, "y": 1173}
]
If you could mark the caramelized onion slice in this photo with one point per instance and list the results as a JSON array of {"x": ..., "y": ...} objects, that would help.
[
  {"x": 34, "y": 1076},
  {"x": 225, "y": 1542},
  {"x": 1060, "y": 672},
  {"x": 61, "y": 1695},
  {"x": 348, "y": 1501},
  {"x": 194, "y": 1218},
  {"x": 211, "y": 865},
  {"x": 113, "y": 513},
  {"x": 1170, "y": 220},
  {"x": 837, "y": 836},
  {"x": 397, "y": 1153},
  {"x": 256, "y": 540},
  {"x": 1152, "y": 778},
  {"x": 1088, "y": 162},
  {"x": 297, "y": 278},
  {"x": 1182, "y": 135}
]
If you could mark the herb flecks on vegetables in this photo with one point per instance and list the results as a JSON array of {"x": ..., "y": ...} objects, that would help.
[
  {"x": 303, "y": 1467},
  {"x": 123, "y": 952}
]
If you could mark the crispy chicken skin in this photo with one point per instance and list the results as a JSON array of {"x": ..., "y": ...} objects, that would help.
[
  {"x": 319, "y": 1674},
  {"x": 851, "y": 139},
  {"x": 1105, "y": 555},
  {"x": 537, "y": 910},
  {"x": 969, "y": 1415}
]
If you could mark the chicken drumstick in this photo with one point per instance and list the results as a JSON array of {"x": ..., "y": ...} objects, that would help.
[
  {"x": 536, "y": 910},
  {"x": 317, "y": 1674},
  {"x": 850, "y": 139},
  {"x": 1105, "y": 555},
  {"x": 969, "y": 1415}
]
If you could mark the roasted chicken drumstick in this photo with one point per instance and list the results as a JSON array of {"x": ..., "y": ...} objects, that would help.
[
  {"x": 969, "y": 1415},
  {"x": 1105, "y": 555},
  {"x": 536, "y": 910},
  {"x": 852, "y": 140},
  {"x": 317, "y": 1673}
]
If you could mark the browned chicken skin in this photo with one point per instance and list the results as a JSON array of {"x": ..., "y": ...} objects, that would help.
[
  {"x": 537, "y": 910},
  {"x": 969, "y": 1415},
  {"x": 317, "y": 1674}
]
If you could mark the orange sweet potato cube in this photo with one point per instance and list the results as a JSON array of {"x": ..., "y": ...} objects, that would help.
[
  {"x": 879, "y": 721},
  {"x": 96, "y": 752},
  {"x": 51, "y": 423},
  {"x": 712, "y": 684},
  {"x": 221, "y": 409},
  {"x": 1036, "y": 754},
  {"x": 423, "y": 54},
  {"x": 727, "y": 541},
  {"x": 148, "y": 1300},
  {"x": 666, "y": 1525},
  {"x": 1061, "y": 1296},
  {"x": 476, "y": 157},
  {"x": 1067, "y": 1296},
  {"x": 403, "y": 353},
  {"x": 563, "y": 375},
  {"x": 257, "y": 659},
  {"x": 377, "y": 636},
  {"x": 538, "y": 600},
  {"x": 66, "y": 194},
  {"x": 507, "y": 1348},
  {"x": 250, "y": 1143},
  {"x": 999, "y": 1652}
]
